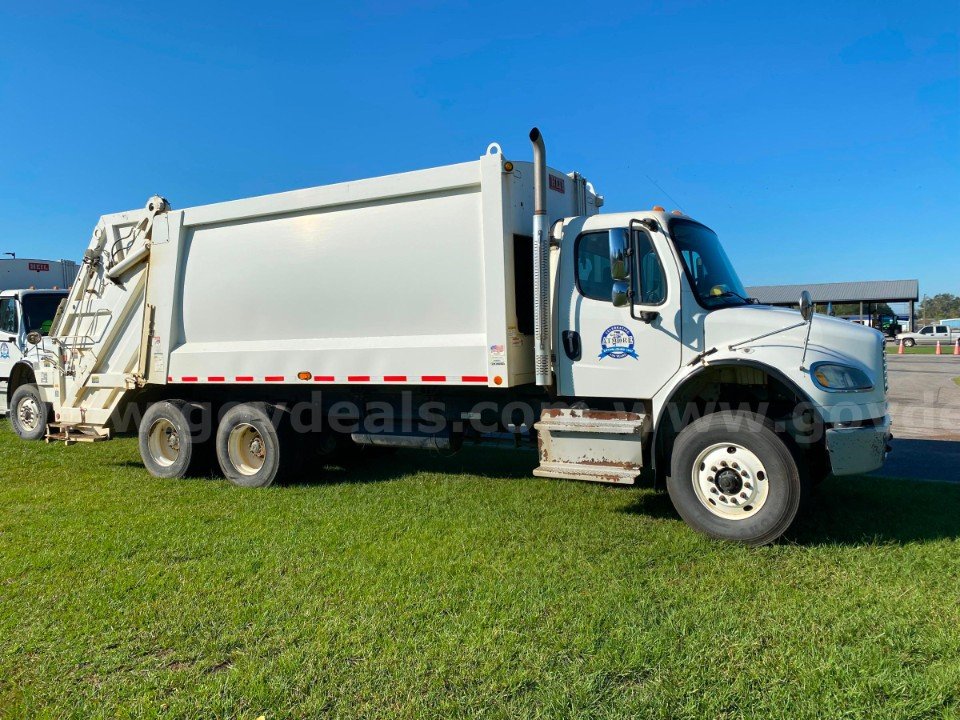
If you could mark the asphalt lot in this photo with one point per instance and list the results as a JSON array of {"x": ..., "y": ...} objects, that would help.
[{"x": 925, "y": 407}]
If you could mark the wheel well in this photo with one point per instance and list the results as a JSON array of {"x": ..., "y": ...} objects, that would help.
[
  {"x": 745, "y": 387},
  {"x": 22, "y": 374}
]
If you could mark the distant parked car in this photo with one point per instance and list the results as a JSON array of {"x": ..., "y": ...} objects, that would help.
[{"x": 930, "y": 335}]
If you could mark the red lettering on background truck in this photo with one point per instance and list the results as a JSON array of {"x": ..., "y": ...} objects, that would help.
[
  {"x": 556, "y": 183},
  {"x": 39, "y": 267}
]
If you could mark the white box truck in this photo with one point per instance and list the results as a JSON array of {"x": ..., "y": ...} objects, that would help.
[
  {"x": 437, "y": 307},
  {"x": 20, "y": 273}
]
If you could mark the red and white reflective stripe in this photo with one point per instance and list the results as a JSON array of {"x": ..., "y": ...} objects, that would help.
[{"x": 333, "y": 379}]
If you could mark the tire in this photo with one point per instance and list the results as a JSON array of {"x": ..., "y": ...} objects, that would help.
[
  {"x": 29, "y": 414},
  {"x": 254, "y": 445},
  {"x": 909, "y": 342},
  {"x": 756, "y": 490},
  {"x": 173, "y": 443}
]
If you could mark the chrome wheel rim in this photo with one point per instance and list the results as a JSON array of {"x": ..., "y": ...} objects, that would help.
[
  {"x": 164, "y": 442},
  {"x": 28, "y": 414},
  {"x": 246, "y": 449},
  {"x": 730, "y": 481}
]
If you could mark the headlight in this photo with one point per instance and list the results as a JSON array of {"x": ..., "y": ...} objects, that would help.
[{"x": 840, "y": 377}]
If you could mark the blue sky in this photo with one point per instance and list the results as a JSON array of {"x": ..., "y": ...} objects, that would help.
[{"x": 821, "y": 140}]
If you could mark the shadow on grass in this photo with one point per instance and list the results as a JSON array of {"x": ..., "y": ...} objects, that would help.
[
  {"x": 855, "y": 511},
  {"x": 367, "y": 467},
  {"x": 858, "y": 511}
]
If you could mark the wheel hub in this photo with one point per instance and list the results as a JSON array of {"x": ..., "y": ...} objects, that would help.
[
  {"x": 28, "y": 414},
  {"x": 246, "y": 449},
  {"x": 163, "y": 442},
  {"x": 730, "y": 481}
]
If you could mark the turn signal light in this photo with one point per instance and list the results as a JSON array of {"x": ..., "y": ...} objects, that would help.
[
  {"x": 304, "y": 375},
  {"x": 508, "y": 166}
]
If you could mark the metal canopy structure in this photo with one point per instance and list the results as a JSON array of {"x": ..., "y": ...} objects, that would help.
[{"x": 863, "y": 292}]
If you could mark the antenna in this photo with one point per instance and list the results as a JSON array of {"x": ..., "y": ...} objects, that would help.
[{"x": 664, "y": 192}]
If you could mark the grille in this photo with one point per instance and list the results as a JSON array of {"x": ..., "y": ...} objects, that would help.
[{"x": 883, "y": 359}]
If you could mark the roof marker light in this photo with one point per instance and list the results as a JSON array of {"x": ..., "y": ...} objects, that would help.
[{"x": 658, "y": 208}]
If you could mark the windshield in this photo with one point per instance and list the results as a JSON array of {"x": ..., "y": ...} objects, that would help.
[
  {"x": 38, "y": 311},
  {"x": 711, "y": 274}
]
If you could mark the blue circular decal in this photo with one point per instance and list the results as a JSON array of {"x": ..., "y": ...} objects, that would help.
[{"x": 617, "y": 343}]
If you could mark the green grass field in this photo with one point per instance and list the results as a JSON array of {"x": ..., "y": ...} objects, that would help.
[
  {"x": 460, "y": 587},
  {"x": 893, "y": 348}
]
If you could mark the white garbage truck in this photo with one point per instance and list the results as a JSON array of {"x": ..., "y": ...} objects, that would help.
[{"x": 487, "y": 299}]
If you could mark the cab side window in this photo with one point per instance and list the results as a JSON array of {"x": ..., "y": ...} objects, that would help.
[
  {"x": 653, "y": 284},
  {"x": 928, "y": 330},
  {"x": 593, "y": 266},
  {"x": 8, "y": 316}
]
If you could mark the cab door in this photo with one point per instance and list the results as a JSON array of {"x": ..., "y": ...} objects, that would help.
[
  {"x": 605, "y": 351},
  {"x": 9, "y": 337}
]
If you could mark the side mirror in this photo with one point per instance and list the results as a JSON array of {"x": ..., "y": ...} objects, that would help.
[
  {"x": 619, "y": 254},
  {"x": 806, "y": 306},
  {"x": 34, "y": 338},
  {"x": 620, "y": 296}
]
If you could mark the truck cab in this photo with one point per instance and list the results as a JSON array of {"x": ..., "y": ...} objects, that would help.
[
  {"x": 649, "y": 306},
  {"x": 23, "y": 312}
]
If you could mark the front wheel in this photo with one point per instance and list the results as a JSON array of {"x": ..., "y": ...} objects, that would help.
[
  {"x": 733, "y": 478},
  {"x": 28, "y": 413}
]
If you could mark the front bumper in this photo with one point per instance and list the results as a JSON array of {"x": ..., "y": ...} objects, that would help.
[{"x": 859, "y": 449}]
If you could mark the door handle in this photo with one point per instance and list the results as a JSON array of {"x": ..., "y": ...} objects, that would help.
[{"x": 571, "y": 344}]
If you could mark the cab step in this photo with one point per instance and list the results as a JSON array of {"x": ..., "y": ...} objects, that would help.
[{"x": 595, "y": 445}]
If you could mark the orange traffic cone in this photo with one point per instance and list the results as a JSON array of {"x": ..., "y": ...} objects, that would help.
[
  {"x": 956, "y": 347},
  {"x": 939, "y": 352},
  {"x": 900, "y": 350}
]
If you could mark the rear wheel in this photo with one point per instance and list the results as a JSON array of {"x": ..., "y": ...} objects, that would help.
[
  {"x": 174, "y": 441},
  {"x": 28, "y": 413},
  {"x": 254, "y": 447},
  {"x": 909, "y": 342},
  {"x": 732, "y": 478}
]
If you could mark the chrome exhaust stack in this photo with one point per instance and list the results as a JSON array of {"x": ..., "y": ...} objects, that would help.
[{"x": 541, "y": 261}]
